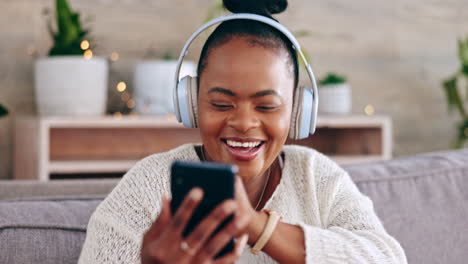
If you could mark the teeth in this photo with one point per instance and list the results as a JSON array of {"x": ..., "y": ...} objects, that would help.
[{"x": 244, "y": 144}]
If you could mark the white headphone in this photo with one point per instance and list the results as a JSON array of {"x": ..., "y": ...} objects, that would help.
[{"x": 305, "y": 104}]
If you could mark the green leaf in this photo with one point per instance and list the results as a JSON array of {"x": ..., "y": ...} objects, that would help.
[
  {"x": 453, "y": 96},
  {"x": 332, "y": 78},
  {"x": 462, "y": 135},
  {"x": 452, "y": 93},
  {"x": 464, "y": 70},
  {"x": 66, "y": 28},
  {"x": 84, "y": 33},
  {"x": 69, "y": 33},
  {"x": 450, "y": 88},
  {"x": 466, "y": 88},
  {"x": 168, "y": 55},
  {"x": 463, "y": 51},
  {"x": 3, "y": 111}
]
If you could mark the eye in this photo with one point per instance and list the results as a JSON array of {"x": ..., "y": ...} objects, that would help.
[
  {"x": 267, "y": 108},
  {"x": 222, "y": 107}
]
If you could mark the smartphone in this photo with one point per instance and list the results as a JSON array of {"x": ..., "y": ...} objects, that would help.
[{"x": 217, "y": 182}]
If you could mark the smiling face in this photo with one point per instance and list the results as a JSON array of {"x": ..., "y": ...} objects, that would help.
[{"x": 244, "y": 104}]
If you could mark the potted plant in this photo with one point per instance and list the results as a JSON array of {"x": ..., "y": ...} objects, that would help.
[
  {"x": 455, "y": 100},
  {"x": 153, "y": 81},
  {"x": 334, "y": 94},
  {"x": 3, "y": 111},
  {"x": 70, "y": 81},
  {"x": 153, "y": 78}
]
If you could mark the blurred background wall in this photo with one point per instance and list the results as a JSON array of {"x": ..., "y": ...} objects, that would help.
[{"x": 394, "y": 53}]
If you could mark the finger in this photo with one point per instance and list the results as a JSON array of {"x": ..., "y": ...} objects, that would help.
[
  {"x": 212, "y": 247},
  {"x": 161, "y": 221},
  {"x": 172, "y": 235},
  {"x": 238, "y": 184},
  {"x": 208, "y": 225},
  {"x": 185, "y": 211},
  {"x": 236, "y": 253}
]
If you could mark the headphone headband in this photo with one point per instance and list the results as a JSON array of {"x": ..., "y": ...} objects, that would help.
[{"x": 246, "y": 16}]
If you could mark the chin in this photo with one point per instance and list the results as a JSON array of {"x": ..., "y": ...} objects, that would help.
[
  {"x": 248, "y": 171},
  {"x": 248, "y": 167}
]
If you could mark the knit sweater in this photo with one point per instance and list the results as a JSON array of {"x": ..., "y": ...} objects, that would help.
[{"x": 339, "y": 223}]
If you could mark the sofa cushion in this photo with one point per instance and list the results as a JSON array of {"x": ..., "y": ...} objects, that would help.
[
  {"x": 45, "y": 230},
  {"x": 422, "y": 201},
  {"x": 33, "y": 188}
]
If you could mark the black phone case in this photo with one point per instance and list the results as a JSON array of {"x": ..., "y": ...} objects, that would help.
[{"x": 217, "y": 182}]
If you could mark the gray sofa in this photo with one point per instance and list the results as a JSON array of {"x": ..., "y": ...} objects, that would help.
[{"x": 422, "y": 201}]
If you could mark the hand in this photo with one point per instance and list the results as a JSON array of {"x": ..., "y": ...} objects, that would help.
[
  {"x": 163, "y": 242},
  {"x": 244, "y": 206},
  {"x": 257, "y": 220}
]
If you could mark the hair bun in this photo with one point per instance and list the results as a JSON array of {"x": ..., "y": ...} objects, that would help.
[{"x": 260, "y": 7}]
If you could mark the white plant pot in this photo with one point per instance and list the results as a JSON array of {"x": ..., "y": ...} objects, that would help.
[
  {"x": 71, "y": 85},
  {"x": 335, "y": 99},
  {"x": 154, "y": 84}
]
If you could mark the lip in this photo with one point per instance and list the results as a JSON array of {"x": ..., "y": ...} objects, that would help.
[
  {"x": 243, "y": 155},
  {"x": 242, "y": 139}
]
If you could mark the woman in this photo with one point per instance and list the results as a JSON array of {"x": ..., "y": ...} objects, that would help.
[{"x": 247, "y": 74}]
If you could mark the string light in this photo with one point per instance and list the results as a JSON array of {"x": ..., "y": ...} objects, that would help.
[
  {"x": 131, "y": 104},
  {"x": 84, "y": 45},
  {"x": 114, "y": 56},
  {"x": 121, "y": 86},
  {"x": 88, "y": 54},
  {"x": 369, "y": 110},
  {"x": 117, "y": 115},
  {"x": 125, "y": 97}
]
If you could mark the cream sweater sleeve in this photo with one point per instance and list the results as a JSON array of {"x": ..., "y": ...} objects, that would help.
[
  {"x": 353, "y": 233},
  {"x": 115, "y": 230}
]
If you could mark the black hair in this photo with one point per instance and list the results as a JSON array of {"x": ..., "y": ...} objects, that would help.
[{"x": 255, "y": 32}]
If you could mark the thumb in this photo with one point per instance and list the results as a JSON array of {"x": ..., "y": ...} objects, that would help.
[
  {"x": 239, "y": 185},
  {"x": 240, "y": 189}
]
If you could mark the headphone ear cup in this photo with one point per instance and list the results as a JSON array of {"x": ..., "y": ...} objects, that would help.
[
  {"x": 302, "y": 113},
  {"x": 194, "y": 101},
  {"x": 184, "y": 101},
  {"x": 307, "y": 113},
  {"x": 295, "y": 115}
]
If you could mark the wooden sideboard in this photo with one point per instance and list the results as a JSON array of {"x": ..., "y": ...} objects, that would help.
[{"x": 89, "y": 147}]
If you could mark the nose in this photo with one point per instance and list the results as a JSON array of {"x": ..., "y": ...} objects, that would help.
[{"x": 243, "y": 119}]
